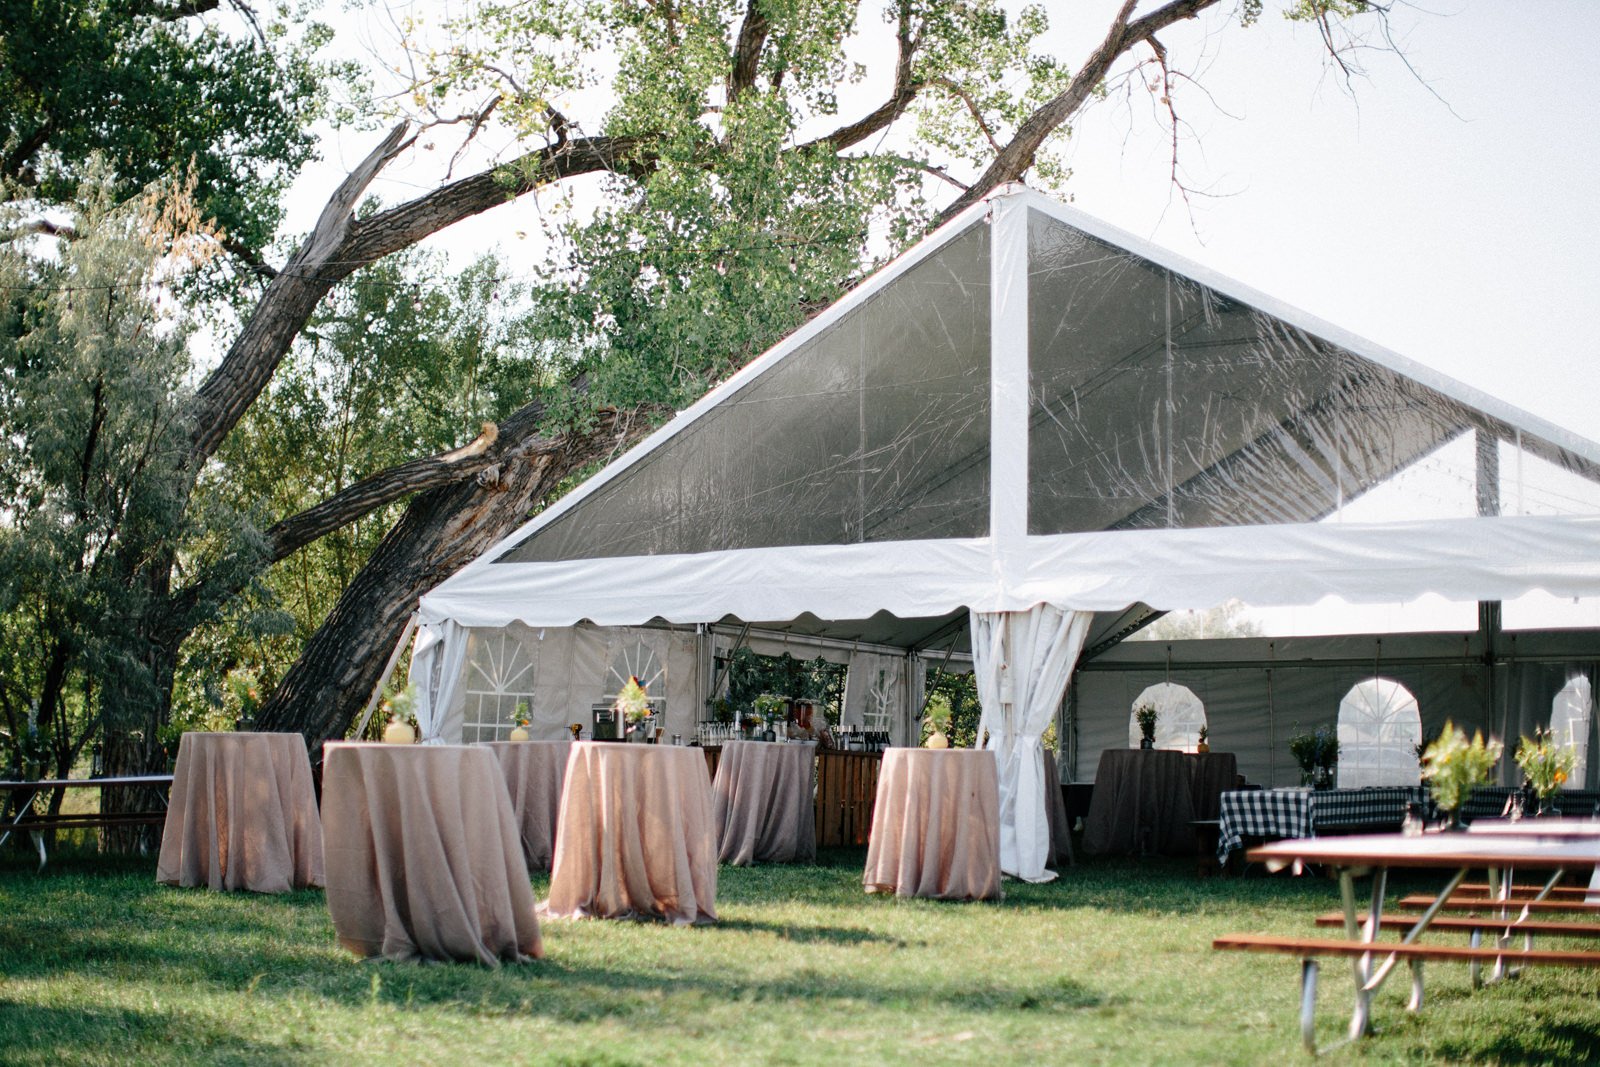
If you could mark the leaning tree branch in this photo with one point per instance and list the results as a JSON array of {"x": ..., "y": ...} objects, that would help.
[
  {"x": 339, "y": 245},
  {"x": 905, "y": 90},
  {"x": 441, "y": 531},
  {"x": 288, "y": 536},
  {"x": 1017, "y": 156}
]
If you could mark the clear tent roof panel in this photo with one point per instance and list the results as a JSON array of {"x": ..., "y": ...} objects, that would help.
[
  {"x": 877, "y": 429},
  {"x": 848, "y": 471}
]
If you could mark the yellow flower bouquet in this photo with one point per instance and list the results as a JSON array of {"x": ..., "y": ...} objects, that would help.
[
  {"x": 1546, "y": 763},
  {"x": 1453, "y": 766}
]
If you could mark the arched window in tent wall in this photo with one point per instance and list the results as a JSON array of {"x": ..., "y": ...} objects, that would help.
[
  {"x": 634, "y": 658},
  {"x": 1179, "y": 716},
  {"x": 1379, "y": 731},
  {"x": 1570, "y": 715},
  {"x": 499, "y": 675}
]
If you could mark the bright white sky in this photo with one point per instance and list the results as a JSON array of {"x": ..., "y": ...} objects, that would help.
[{"x": 1460, "y": 233}]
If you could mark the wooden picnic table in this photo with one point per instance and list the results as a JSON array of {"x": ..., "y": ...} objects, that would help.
[{"x": 1500, "y": 853}]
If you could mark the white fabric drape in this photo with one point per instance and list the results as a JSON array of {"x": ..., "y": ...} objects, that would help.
[
  {"x": 436, "y": 662},
  {"x": 1023, "y": 660}
]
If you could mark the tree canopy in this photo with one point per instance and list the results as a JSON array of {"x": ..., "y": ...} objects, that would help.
[{"x": 372, "y": 423}]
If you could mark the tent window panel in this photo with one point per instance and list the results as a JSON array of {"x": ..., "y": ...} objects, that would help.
[
  {"x": 1570, "y": 717},
  {"x": 1180, "y": 715},
  {"x": 1157, "y": 402},
  {"x": 877, "y": 429},
  {"x": 1380, "y": 727},
  {"x": 500, "y": 675}
]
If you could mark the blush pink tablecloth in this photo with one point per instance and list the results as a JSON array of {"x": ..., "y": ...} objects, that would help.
[
  {"x": 635, "y": 836},
  {"x": 534, "y": 772},
  {"x": 242, "y": 815},
  {"x": 765, "y": 802},
  {"x": 936, "y": 825},
  {"x": 424, "y": 860}
]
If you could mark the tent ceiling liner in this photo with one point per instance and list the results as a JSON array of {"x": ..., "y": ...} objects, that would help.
[{"x": 1032, "y": 407}]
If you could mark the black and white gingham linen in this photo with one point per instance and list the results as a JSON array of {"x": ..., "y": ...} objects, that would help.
[
  {"x": 1488, "y": 802},
  {"x": 1268, "y": 813},
  {"x": 1376, "y": 806}
]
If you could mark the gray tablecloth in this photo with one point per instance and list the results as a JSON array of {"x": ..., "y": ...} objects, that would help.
[
  {"x": 534, "y": 773},
  {"x": 423, "y": 855},
  {"x": 764, "y": 802},
  {"x": 936, "y": 825},
  {"x": 635, "y": 836},
  {"x": 242, "y": 815}
]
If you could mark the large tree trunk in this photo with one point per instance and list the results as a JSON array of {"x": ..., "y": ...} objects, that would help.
[{"x": 442, "y": 529}]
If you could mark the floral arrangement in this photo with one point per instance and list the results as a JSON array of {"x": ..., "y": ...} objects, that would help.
[
  {"x": 519, "y": 714},
  {"x": 939, "y": 713},
  {"x": 401, "y": 707},
  {"x": 1146, "y": 715},
  {"x": 632, "y": 704},
  {"x": 1546, "y": 763},
  {"x": 1316, "y": 750},
  {"x": 769, "y": 707},
  {"x": 1205, "y": 732},
  {"x": 1453, "y": 766}
]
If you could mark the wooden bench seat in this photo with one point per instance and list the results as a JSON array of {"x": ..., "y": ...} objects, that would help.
[
  {"x": 1548, "y": 927},
  {"x": 1307, "y": 950},
  {"x": 1481, "y": 889},
  {"x": 1460, "y": 903},
  {"x": 1308, "y": 947}
]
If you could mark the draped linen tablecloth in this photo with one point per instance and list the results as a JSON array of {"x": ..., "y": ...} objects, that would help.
[
  {"x": 242, "y": 815},
  {"x": 764, "y": 800},
  {"x": 936, "y": 825},
  {"x": 1210, "y": 775},
  {"x": 534, "y": 772},
  {"x": 423, "y": 855},
  {"x": 635, "y": 837},
  {"x": 1143, "y": 803},
  {"x": 1055, "y": 813}
]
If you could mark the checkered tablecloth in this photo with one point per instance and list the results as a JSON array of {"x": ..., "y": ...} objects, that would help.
[
  {"x": 1268, "y": 813},
  {"x": 1278, "y": 813},
  {"x": 1487, "y": 802},
  {"x": 1273, "y": 814},
  {"x": 1376, "y": 807}
]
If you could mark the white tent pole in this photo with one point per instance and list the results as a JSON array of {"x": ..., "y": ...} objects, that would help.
[{"x": 388, "y": 669}]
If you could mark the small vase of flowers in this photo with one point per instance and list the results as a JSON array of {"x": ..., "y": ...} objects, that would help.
[
  {"x": 633, "y": 708},
  {"x": 769, "y": 709},
  {"x": 1453, "y": 767},
  {"x": 1546, "y": 765},
  {"x": 1146, "y": 715},
  {"x": 1318, "y": 754},
  {"x": 519, "y": 722}
]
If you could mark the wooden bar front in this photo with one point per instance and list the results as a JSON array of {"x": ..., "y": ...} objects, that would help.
[{"x": 847, "y": 786}]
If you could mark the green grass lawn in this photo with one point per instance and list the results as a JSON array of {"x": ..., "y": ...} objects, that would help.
[{"x": 1110, "y": 964}]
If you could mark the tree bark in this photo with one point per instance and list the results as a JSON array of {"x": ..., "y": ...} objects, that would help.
[{"x": 442, "y": 530}]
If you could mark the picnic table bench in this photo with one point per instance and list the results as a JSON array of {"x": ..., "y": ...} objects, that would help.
[
  {"x": 1372, "y": 959},
  {"x": 17, "y": 800}
]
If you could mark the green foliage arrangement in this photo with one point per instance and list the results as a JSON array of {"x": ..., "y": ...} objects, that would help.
[
  {"x": 1453, "y": 766},
  {"x": 1316, "y": 750},
  {"x": 1146, "y": 716},
  {"x": 939, "y": 712},
  {"x": 769, "y": 707},
  {"x": 1546, "y": 763}
]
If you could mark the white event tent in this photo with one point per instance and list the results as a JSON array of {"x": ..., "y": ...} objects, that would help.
[{"x": 1021, "y": 437}]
